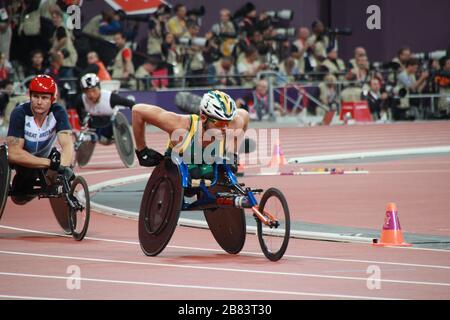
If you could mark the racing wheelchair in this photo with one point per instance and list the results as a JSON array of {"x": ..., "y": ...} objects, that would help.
[
  {"x": 87, "y": 138},
  {"x": 69, "y": 200},
  {"x": 222, "y": 199}
]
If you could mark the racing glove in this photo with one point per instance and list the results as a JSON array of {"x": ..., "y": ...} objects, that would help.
[{"x": 149, "y": 157}]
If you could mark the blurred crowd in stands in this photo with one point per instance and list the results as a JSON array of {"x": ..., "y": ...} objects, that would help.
[{"x": 34, "y": 39}]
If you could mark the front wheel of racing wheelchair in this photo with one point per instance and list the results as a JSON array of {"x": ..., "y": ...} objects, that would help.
[
  {"x": 70, "y": 201},
  {"x": 86, "y": 139}
]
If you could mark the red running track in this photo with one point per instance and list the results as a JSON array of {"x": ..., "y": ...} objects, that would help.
[{"x": 36, "y": 261}]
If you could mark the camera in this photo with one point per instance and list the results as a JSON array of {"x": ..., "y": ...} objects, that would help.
[
  {"x": 339, "y": 31},
  {"x": 198, "y": 12},
  {"x": 284, "y": 14},
  {"x": 434, "y": 55},
  {"x": 197, "y": 41},
  {"x": 396, "y": 92}
]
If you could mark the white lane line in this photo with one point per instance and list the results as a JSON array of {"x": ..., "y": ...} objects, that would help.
[
  {"x": 245, "y": 252},
  {"x": 5, "y": 296},
  {"x": 236, "y": 270},
  {"x": 185, "y": 286},
  {"x": 370, "y": 154}
]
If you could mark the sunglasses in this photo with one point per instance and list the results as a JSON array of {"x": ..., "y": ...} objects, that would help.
[{"x": 218, "y": 123}]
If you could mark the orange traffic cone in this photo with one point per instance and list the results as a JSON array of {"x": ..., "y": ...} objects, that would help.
[
  {"x": 277, "y": 156},
  {"x": 391, "y": 234}
]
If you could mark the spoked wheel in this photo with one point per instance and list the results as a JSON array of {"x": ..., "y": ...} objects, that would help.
[
  {"x": 5, "y": 177},
  {"x": 160, "y": 208},
  {"x": 274, "y": 240},
  {"x": 80, "y": 212},
  {"x": 84, "y": 152},
  {"x": 124, "y": 139}
]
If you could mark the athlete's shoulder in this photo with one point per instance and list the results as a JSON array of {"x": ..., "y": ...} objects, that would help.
[
  {"x": 58, "y": 111},
  {"x": 22, "y": 109}
]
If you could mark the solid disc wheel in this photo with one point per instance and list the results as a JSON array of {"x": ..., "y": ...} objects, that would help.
[
  {"x": 274, "y": 240},
  {"x": 226, "y": 224},
  {"x": 124, "y": 139},
  {"x": 160, "y": 208},
  {"x": 84, "y": 152}
]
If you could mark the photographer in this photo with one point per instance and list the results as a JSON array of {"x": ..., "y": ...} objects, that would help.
[
  {"x": 194, "y": 61},
  {"x": 177, "y": 24},
  {"x": 407, "y": 80},
  {"x": 63, "y": 42},
  {"x": 377, "y": 100},
  {"x": 442, "y": 79},
  {"x": 157, "y": 29},
  {"x": 334, "y": 65},
  {"x": 249, "y": 66},
  {"x": 319, "y": 41},
  {"x": 226, "y": 32},
  {"x": 222, "y": 72},
  {"x": 302, "y": 45}
]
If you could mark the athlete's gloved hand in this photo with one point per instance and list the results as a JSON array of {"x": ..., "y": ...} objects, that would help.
[
  {"x": 55, "y": 159},
  {"x": 67, "y": 172},
  {"x": 149, "y": 157}
]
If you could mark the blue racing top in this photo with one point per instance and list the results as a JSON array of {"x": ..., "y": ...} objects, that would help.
[{"x": 38, "y": 140}]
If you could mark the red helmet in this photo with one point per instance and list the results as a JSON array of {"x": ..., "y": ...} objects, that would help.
[{"x": 43, "y": 84}]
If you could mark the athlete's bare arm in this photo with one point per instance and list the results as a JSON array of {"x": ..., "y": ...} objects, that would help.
[
  {"x": 18, "y": 155},
  {"x": 165, "y": 120},
  {"x": 66, "y": 143}
]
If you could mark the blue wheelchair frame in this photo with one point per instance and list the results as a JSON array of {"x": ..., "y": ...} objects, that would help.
[{"x": 208, "y": 200}]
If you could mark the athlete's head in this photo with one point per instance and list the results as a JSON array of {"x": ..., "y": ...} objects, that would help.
[
  {"x": 217, "y": 108},
  {"x": 43, "y": 91},
  {"x": 90, "y": 84}
]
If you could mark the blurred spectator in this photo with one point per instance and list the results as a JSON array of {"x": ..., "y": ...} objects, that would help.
[
  {"x": 249, "y": 67},
  {"x": 257, "y": 102},
  {"x": 177, "y": 24},
  {"x": 248, "y": 23},
  {"x": 123, "y": 66},
  {"x": 359, "y": 51},
  {"x": 328, "y": 94},
  {"x": 318, "y": 41},
  {"x": 36, "y": 65},
  {"x": 403, "y": 56},
  {"x": 288, "y": 71},
  {"x": 195, "y": 62},
  {"x": 157, "y": 29},
  {"x": 333, "y": 64},
  {"x": 223, "y": 28},
  {"x": 9, "y": 100},
  {"x": 110, "y": 23},
  {"x": 302, "y": 45},
  {"x": 95, "y": 65},
  {"x": 443, "y": 81},
  {"x": 407, "y": 81},
  {"x": 5, "y": 68},
  {"x": 63, "y": 42},
  {"x": 222, "y": 72},
  {"x": 353, "y": 91},
  {"x": 361, "y": 70},
  {"x": 377, "y": 100},
  {"x": 211, "y": 52},
  {"x": 56, "y": 62},
  {"x": 5, "y": 33},
  {"x": 172, "y": 55}
]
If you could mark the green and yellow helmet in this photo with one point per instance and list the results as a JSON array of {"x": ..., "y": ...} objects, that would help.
[{"x": 218, "y": 105}]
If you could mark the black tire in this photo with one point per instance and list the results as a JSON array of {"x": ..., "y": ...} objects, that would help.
[
  {"x": 79, "y": 219},
  {"x": 160, "y": 208},
  {"x": 124, "y": 139},
  {"x": 5, "y": 177},
  {"x": 274, "y": 241},
  {"x": 84, "y": 152}
]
